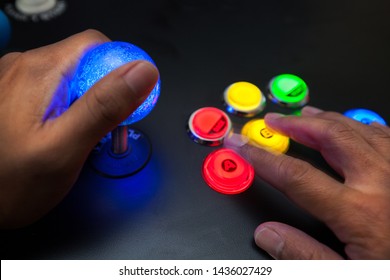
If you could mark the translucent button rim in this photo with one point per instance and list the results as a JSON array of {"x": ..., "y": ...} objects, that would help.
[{"x": 209, "y": 126}]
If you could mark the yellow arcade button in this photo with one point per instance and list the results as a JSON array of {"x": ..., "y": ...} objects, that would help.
[
  {"x": 259, "y": 134},
  {"x": 244, "y": 99}
]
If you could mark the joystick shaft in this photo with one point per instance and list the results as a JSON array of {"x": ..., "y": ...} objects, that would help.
[{"x": 119, "y": 140}]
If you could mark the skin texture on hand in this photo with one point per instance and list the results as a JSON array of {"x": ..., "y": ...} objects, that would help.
[
  {"x": 357, "y": 210},
  {"x": 43, "y": 143}
]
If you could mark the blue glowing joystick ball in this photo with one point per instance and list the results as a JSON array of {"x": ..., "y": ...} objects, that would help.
[{"x": 100, "y": 61}]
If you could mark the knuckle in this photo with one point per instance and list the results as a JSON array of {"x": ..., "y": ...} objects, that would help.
[
  {"x": 379, "y": 136},
  {"x": 17, "y": 64},
  {"x": 330, "y": 115},
  {"x": 339, "y": 131},
  {"x": 35, "y": 65},
  {"x": 384, "y": 128},
  {"x": 93, "y": 35},
  {"x": 7, "y": 63},
  {"x": 23, "y": 60},
  {"x": 9, "y": 57}
]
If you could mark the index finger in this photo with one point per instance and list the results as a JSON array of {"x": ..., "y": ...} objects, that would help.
[
  {"x": 308, "y": 187},
  {"x": 343, "y": 148}
]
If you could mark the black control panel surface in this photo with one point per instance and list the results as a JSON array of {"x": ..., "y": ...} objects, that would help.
[{"x": 167, "y": 211}]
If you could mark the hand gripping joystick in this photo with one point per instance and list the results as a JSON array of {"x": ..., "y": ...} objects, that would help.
[{"x": 126, "y": 150}]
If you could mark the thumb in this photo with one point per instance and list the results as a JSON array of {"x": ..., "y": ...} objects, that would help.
[
  {"x": 284, "y": 242},
  {"x": 109, "y": 102}
]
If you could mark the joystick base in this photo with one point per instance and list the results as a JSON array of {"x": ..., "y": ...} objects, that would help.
[{"x": 109, "y": 164}]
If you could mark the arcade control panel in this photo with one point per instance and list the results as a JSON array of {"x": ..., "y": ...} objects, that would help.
[{"x": 222, "y": 66}]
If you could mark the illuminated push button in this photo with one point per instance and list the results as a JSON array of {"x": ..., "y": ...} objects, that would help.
[
  {"x": 244, "y": 99},
  {"x": 258, "y": 134},
  {"x": 288, "y": 90},
  {"x": 227, "y": 172},
  {"x": 209, "y": 126},
  {"x": 30, "y": 7},
  {"x": 364, "y": 116}
]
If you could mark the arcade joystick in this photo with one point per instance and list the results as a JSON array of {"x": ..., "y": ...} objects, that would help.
[
  {"x": 30, "y": 7},
  {"x": 126, "y": 150}
]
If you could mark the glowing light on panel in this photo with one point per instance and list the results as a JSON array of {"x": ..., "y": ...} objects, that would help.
[
  {"x": 288, "y": 90},
  {"x": 244, "y": 99},
  {"x": 364, "y": 116}
]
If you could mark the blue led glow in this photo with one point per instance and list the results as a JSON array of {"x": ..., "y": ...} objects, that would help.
[
  {"x": 100, "y": 61},
  {"x": 5, "y": 30},
  {"x": 364, "y": 116}
]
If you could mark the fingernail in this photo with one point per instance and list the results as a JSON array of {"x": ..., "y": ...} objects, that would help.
[
  {"x": 310, "y": 111},
  {"x": 270, "y": 241},
  {"x": 235, "y": 140},
  {"x": 238, "y": 143},
  {"x": 141, "y": 78}
]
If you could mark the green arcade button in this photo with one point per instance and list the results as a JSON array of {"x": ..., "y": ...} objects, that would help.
[{"x": 288, "y": 90}]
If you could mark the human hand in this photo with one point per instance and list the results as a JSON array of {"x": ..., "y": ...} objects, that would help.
[
  {"x": 43, "y": 143},
  {"x": 357, "y": 210}
]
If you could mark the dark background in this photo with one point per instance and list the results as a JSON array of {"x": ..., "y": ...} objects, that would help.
[{"x": 166, "y": 211}]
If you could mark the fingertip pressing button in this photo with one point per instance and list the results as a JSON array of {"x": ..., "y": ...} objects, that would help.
[
  {"x": 258, "y": 134},
  {"x": 209, "y": 126},
  {"x": 244, "y": 99},
  {"x": 227, "y": 172},
  {"x": 288, "y": 90},
  {"x": 364, "y": 116}
]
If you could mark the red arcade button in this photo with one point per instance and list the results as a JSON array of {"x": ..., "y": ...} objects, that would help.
[
  {"x": 209, "y": 126},
  {"x": 227, "y": 172}
]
